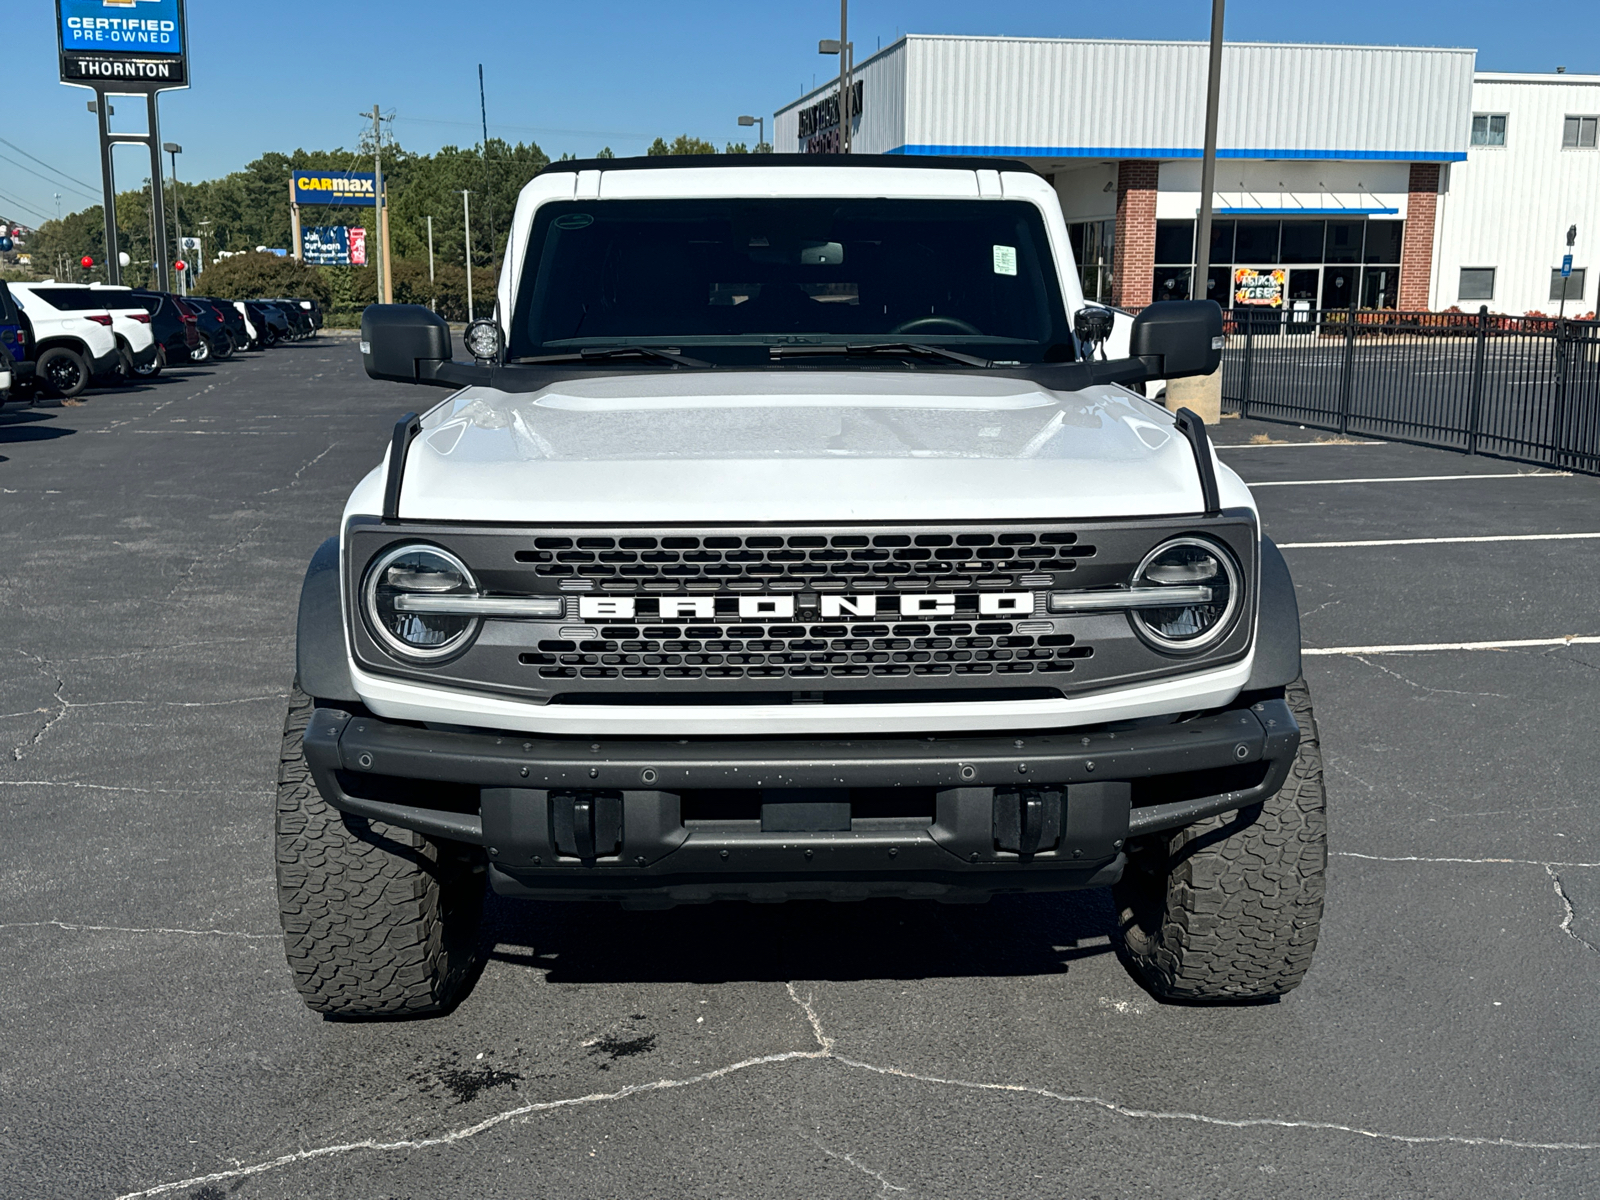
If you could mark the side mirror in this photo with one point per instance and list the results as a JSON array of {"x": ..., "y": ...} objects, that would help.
[
  {"x": 1178, "y": 338},
  {"x": 403, "y": 343}
]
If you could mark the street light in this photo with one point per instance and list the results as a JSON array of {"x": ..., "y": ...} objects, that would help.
[
  {"x": 759, "y": 121},
  {"x": 174, "y": 149},
  {"x": 846, "y": 51}
]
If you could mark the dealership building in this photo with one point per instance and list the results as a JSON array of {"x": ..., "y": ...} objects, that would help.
[{"x": 1388, "y": 177}]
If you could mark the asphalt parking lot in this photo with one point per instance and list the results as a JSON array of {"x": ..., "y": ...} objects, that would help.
[{"x": 1443, "y": 1045}]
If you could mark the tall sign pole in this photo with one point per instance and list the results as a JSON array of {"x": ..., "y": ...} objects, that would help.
[
  {"x": 466, "y": 224},
  {"x": 845, "y": 65},
  {"x": 1198, "y": 285},
  {"x": 126, "y": 50}
]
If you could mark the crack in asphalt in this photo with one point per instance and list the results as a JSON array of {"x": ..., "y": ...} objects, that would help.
[
  {"x": 1422, "y": 687},
  {"x": 825, "y": 1051},
  {"x": 44, "y": 668},
  {"x": 295, "y": 478},
  {"x": 1566, "y": 904},
  {"x": 883, "y": 1184},
  {"x": 125, "y": 929}
]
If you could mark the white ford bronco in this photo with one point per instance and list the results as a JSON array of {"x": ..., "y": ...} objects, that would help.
[{"x": 794, "y": 531}]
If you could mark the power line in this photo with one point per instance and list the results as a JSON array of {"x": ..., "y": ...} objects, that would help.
[
  {"x": 42, "y": 163},
  {"x": 25, "y": 207},
  {"x": 46, "y": 178},
  {"x": 621, "y": 133}
]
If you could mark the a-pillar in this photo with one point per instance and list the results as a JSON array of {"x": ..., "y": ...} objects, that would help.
[
  {"x": 1134, "y": 262},
  {"x": 1416, "y": 253}
]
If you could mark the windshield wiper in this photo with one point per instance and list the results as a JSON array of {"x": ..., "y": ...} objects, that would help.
[
  {"x": 596, "y": 353},
  {"x": 862, "y": 349}
]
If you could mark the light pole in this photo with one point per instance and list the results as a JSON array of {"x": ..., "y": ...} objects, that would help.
[
  {"x": 174, "y": 149},
  {"x": 466, "y": 224},
  {"x": 1198, "y": 286},
  {"x": 762, "y": 123},
  {"x": 847, "y": 54},
  {"x": 431, "y": 301}
]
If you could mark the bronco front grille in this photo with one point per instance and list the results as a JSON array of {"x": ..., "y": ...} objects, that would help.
[
  {"x": 807, "y": 653},
  {"x": 707, "y": 614},
  {"x": 795, "y": 561}
]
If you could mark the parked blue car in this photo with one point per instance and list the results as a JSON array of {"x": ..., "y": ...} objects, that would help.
[{"x": 16, "y": 356}]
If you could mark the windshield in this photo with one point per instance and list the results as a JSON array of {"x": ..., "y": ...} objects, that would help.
[{"x": 746, "y": 274}]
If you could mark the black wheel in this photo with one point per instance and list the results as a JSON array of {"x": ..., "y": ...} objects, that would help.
[
  {"x": 152, "y": 368},
  {"x": 222, "y": 345},
  {"x": 201, "y": 352},
  {"x": 377, "y": 921},
  {"x": 62, "y": 372},
  {"x": 1228, "y": 910}
]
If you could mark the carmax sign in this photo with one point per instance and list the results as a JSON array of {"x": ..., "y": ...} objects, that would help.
[{"x": 334, "y": 187}]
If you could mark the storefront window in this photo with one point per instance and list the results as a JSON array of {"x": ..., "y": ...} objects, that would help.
[{"x": 1289, "y": 266}]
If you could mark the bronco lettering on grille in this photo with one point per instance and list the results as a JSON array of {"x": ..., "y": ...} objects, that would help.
[{"x": 782, "y": 608}]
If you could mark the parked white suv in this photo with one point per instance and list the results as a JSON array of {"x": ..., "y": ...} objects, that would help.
[
  {"x": 78, "y": 337},
  {"x": 786, "y": 538}
]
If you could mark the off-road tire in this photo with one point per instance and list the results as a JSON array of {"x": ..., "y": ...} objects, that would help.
[
  {"x": 1227, "y": 910},
  {"x": 378, "y": 921}
]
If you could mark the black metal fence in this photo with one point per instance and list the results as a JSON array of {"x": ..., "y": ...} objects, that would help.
[{"x": 1525, "y": 388}]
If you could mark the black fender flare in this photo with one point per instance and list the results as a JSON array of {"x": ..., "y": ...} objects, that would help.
[
  {"x": 1277, "y": 661},
  {"x": 321, "y": 663}
]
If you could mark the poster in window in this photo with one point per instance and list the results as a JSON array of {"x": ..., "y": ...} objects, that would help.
[{"x": 1262, "y": 286}]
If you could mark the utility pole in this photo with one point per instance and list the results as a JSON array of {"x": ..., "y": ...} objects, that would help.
[
  {"x": 1198, "y": 286},
  {"x": 432, "y": 300},
  {"x": 385, "y": 284},
  {"x": 488, "y": 174},
  {"x": 466, "y": 224}
]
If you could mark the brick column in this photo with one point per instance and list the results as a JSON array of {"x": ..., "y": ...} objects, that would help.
[
  {"x": 1134, "y": 264},
  {"x": 1416, "y": 253}
]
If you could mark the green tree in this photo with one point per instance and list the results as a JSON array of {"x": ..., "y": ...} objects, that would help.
[
  {"x": 682, "y": 144},
  {"x": 247, "y": 276}
]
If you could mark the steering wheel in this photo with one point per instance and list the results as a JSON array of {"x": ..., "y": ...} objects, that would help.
[{"x": 936, "y": 324}]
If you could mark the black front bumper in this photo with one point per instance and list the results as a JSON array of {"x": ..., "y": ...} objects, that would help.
[{"x": 509, "y": 794}]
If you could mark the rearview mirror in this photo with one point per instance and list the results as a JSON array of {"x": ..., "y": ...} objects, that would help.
[
  {"x": 403, "y": 343},
  {"x": 1178, "y": 338}
]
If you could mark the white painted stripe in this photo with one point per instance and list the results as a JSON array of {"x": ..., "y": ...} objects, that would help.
[
  {"x": 1441, "y": 541},
  {"x": 1416, "y": 858},
  {"x": 1411, "y": 479},
  {"x": 1421, "y": 647},
  {"x": 1284, "y": 445}
]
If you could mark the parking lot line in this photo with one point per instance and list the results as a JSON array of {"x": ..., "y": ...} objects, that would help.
[
  {"x": 1414, "y": 478},
  {"x": 1421, "y": 647},
  {"x": 1441, "y": 541}
]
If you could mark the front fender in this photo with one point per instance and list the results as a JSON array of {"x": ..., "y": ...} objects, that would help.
[
  {"x": 1277, "y": 660},
  {"x": 322, "y": 664}
]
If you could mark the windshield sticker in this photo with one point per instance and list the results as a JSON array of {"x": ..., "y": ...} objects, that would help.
[
  {"x": 573, "y": 220},
  {"x": 1005, "y": 260}
]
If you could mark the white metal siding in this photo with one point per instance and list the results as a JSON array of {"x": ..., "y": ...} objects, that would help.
[
  {"x": 1509, "y": 207},
  {"x": 1039, "y": 97}
]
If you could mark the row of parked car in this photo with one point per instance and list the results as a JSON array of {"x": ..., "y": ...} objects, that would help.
[{"x": 56, "y": 339}]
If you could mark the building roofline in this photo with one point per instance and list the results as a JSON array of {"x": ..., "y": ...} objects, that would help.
[
  {"x": 1532, "y": 77},
  {"x": 832, "y": 83}
]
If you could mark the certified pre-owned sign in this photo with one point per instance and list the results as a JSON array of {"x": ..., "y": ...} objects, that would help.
[{"x": 137, "y": 42}]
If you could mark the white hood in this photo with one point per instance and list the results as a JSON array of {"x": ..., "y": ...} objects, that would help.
[{"x": 802, "y": 446}]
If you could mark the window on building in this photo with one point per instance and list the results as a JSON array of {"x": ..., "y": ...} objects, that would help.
[
  {"x": 1384, "y": 239},
  {"x": 1477, "y": 283},
  {"x": 1489, "y": 129},
  {"x": 1256, "y": 242},
  {"x": 1094, "y": 246},
  {"x": 1174, "y": 241},
  {"x": 1579, "y": 132},
  {"x": 1573, "y": 289}
]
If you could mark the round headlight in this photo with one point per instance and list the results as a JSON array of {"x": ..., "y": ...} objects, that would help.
[
  {"x": 417, "y": 571},
  {"x": 482, "y": 339},
  {"x": 1209, "y": 581}
]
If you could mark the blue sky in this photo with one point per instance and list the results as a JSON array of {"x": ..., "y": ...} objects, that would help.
[{"x": 578, "y": 76}]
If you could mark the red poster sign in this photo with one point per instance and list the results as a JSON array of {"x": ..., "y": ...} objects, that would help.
[{"x": 358, "y": 246}]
